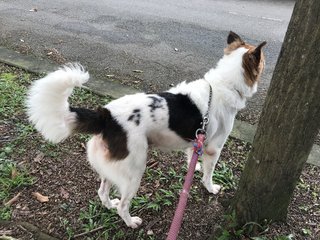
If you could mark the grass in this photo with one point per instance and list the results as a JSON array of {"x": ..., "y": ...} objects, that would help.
[
  {"x": 231, "y": 231},
  {"x": 13, "y": 176}
]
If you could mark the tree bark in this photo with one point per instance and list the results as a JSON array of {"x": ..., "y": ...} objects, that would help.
[{"x": 288, "y": 124}]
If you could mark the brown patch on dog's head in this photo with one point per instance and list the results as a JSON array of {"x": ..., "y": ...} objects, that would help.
[
  {"x": 253, "y": 60},
  {"x": 253, "y": 64}
]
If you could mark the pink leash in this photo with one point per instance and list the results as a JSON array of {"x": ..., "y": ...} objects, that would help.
[{"x": 178, "y": 215}]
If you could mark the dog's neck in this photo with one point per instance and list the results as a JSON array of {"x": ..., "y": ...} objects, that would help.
[{"x": 229, "y": 75}]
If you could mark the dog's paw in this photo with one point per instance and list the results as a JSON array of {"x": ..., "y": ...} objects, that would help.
[
  {"x": 135, "y": 222},
  {"x": 213, "y": 188}
]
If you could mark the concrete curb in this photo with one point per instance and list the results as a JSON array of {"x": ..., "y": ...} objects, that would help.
[
  {"x": 246, "y": 132},
  {"x": 241, "y": 130},
  {"x": 40, "y": 66}
]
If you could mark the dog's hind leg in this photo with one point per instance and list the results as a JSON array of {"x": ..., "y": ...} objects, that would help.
[
  {"x": 128, "y": 189},
  {"x": 103, "y": 193},
  {"x": 128, "y": 181},
  {"x": 210, "y": 159},
  {"x": 124, "y": 205}
]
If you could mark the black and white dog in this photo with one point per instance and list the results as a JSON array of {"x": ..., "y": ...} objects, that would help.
[{"x": 123, "y": 129}]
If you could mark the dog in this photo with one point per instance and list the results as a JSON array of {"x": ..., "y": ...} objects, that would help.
[{"x": 124, "y": 128}]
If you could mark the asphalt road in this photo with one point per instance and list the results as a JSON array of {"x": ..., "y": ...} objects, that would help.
[{"x": 169, "y": 41}]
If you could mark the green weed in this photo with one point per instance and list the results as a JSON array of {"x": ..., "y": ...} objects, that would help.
[
  {"x": 12, "y": 94},
  {"x": 11, "y": 179},
  {"x": 66, "y": 225},
  {"x": 223, "y": 175}
]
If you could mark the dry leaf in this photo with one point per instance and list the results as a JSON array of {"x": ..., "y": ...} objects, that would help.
[
  {"x": 83, "y": 146},
  {"x": 14, "y": 173},
  {"x": 12, "y": 200},
  {"x": 40, "y": 197},
  {"x": 64, "y": 194},
  {"x": 39, "y": 157}
]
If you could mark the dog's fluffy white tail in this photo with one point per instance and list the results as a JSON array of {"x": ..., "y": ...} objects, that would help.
[{"x": 47, "y": 103}]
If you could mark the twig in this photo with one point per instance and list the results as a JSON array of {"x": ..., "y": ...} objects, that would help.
[
  {"x": 12, "y": 200},
  {"x": 85, "y": 233},
  {"x": 153, "y": 164}
]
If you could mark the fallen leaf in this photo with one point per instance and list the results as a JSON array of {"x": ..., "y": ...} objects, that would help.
[
  {"x": 39, "y": 157},
  {"x": 12, "y": 200},
  {"x": 40, "y": 197},
  {"x": 83, "y": 146},
  {"x": 137, "y": 71},
  {"x": 14, "y": 173},
  {"x": 64, "y": 194},
  {"x": 157, "y": 184}
]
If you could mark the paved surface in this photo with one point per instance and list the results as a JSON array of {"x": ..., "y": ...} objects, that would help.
[
  {"x": 168, "y": 40},
  {"x": 241, "y": 130}
]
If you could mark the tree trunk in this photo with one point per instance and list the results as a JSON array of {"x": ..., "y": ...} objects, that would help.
[{"x": 288, "y": 124}]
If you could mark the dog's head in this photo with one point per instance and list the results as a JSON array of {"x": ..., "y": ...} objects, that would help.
[{"x": 252, "y": 60}]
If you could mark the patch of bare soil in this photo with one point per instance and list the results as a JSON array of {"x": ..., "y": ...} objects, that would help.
[{"x": 64, "y": 176}]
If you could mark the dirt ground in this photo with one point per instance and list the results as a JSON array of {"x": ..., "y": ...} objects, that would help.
[{"x": 73, "y": 210}]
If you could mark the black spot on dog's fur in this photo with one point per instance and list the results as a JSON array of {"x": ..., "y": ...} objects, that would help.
[
  {"x": 101, "y": 121},
  {"x": 156, "y": 103},
  {"x": 184, "y": 116},
  {"x": 130, "y": 118},
  {"x": 135, "y": 116}
]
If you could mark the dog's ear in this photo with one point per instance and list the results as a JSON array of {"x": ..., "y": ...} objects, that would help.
[
  {"x": 257, "y": 52},
  {"x": 233, "y": 37}
]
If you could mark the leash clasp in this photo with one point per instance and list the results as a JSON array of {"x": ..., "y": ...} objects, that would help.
[
  {"x": 202, "y": 130},
  {"x": 205, "y": 122}
]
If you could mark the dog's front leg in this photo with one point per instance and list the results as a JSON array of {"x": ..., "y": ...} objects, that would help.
[
  {"x": 189, "y": 153},
  {"x": 210, "y": 159},
  {"x": 128, "y": 191}
]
